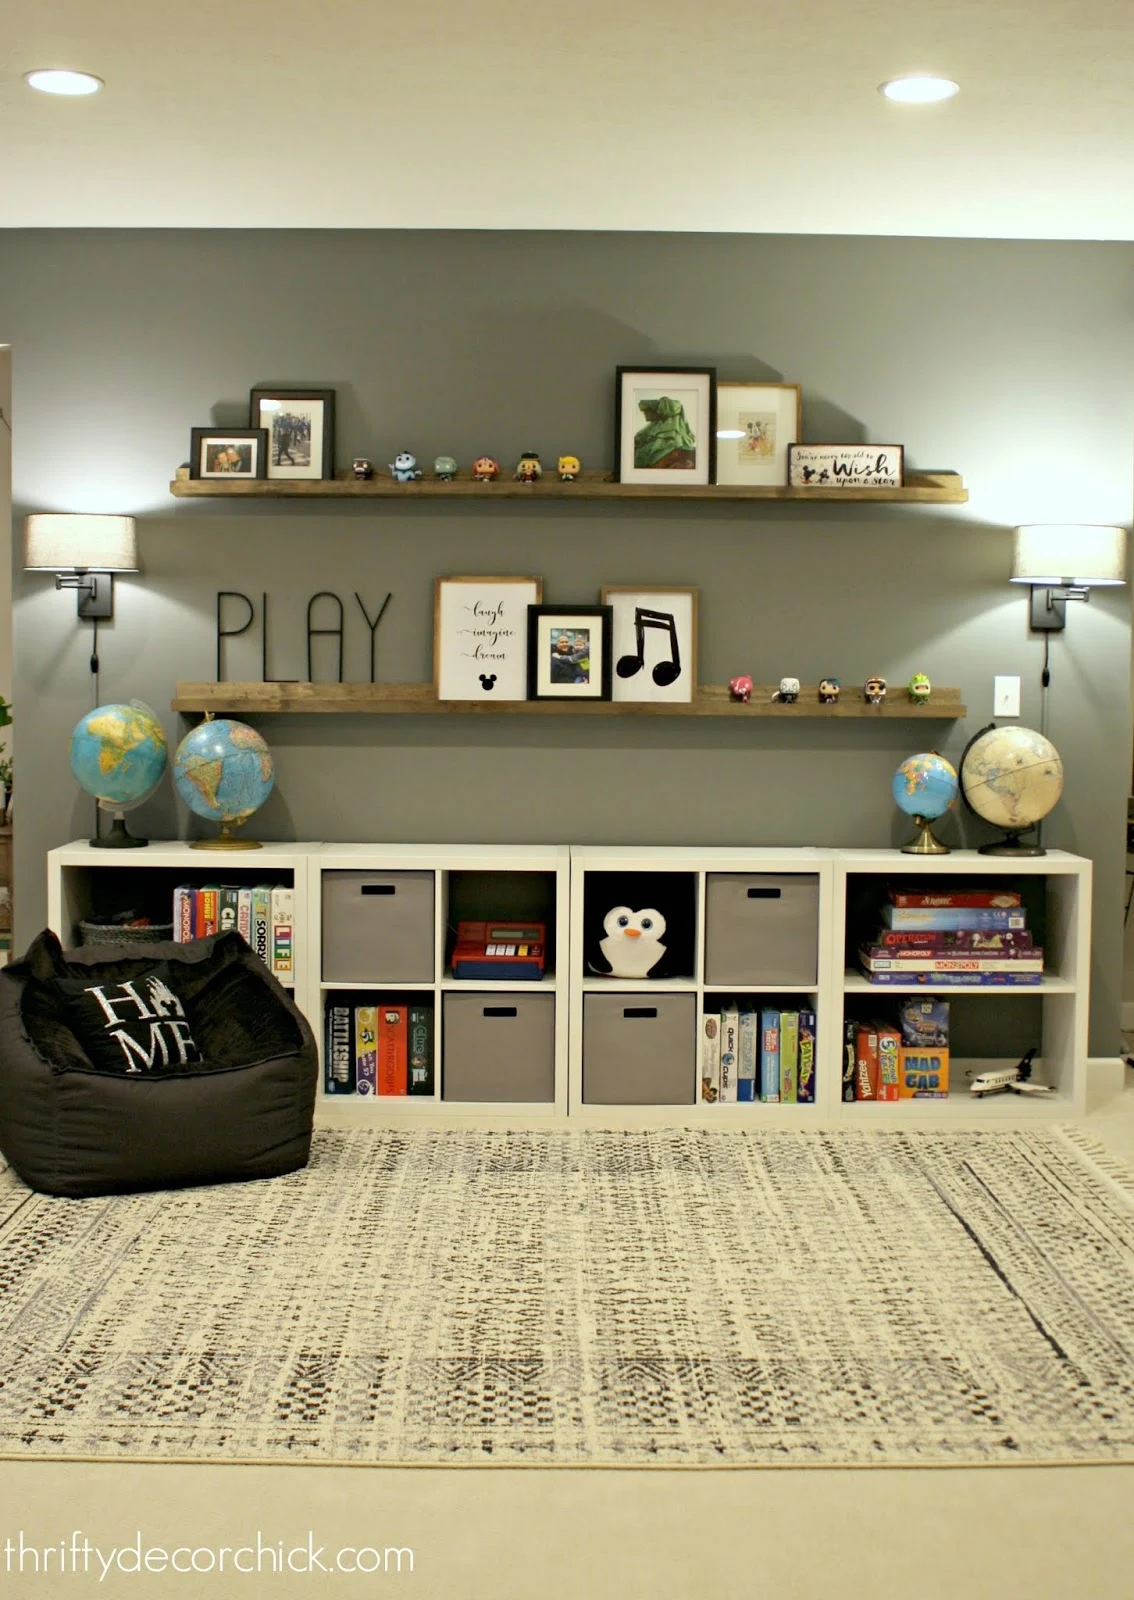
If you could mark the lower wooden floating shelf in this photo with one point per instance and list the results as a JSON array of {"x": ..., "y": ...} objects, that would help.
[{"x": 420, "y": 699}]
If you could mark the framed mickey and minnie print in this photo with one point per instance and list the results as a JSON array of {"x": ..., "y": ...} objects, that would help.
[{"x": 757, "y": 423}]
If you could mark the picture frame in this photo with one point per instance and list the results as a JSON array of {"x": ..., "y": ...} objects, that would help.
[
  {"x": 665, "y": 425},
  {"x": 846, "y": 466},
  {"x": 580, "y": 669},
  {"x": 301, "y": 430},
  {"x": 228, "y": 453},
  {"x": 756, "y": 423},
  {"x": 480, "y": 637},
  {"x": 653, "y": 642}
]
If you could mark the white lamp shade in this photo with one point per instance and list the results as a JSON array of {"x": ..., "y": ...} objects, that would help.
[
  {"x": 1058, "y": 553},
  {"x": 71, "y": 542}
]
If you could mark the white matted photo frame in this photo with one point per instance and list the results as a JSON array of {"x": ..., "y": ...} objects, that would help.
[
  {"x": 654, "y": 642},
  {"x": 756, "y": 424},
  {"x": 301, "y": 430},
  {"x": 569, "y": 652},
  {"x": 480, "y": 637},
  {"x": 665, "y": 428},
  {"x": 228, "y": 453}
]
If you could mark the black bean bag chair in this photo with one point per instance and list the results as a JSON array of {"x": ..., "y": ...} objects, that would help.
[{"x": 243, "y": 1109}]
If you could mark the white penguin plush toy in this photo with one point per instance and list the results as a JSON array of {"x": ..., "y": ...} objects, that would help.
[{"x": 633, "y": 944}]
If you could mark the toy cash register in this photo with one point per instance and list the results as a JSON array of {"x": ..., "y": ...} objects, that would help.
[{"x": 503, "y": 950}]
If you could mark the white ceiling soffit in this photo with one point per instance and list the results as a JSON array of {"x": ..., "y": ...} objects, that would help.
[{"x": 629, "y": 114}]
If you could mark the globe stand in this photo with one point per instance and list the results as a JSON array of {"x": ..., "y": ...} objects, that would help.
[
  {"x": 118, "y": 838},
  {"x": 226, "y": 840},
  {"x": 1011, "y": 845},
  {"x": 925, "y": 844}
]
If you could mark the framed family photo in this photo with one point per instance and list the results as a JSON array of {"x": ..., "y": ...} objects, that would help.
[
  {"x": 301, "y": 430},
  {"x": 653, "y": 643},
  {"x": 665, "y": 429},
  {"x": 569, "y": 652},
  {"x": 480, "y": 637},
  {"x": 228, "y": 453},
  {"x": 756, "y": 425}
]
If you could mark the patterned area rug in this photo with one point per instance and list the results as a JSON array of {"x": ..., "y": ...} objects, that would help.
[{"x": 567, "y": 1298}]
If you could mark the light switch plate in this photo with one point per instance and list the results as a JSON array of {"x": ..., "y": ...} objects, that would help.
[{"x": 1005, "y": 697}]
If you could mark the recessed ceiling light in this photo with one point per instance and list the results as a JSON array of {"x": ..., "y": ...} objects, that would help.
[
  {"x": 58, "y": 80},
  {"x": 919, "y": 89}
]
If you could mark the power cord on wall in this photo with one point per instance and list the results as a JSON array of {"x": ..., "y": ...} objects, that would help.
[{"x": 94, "y": 666}]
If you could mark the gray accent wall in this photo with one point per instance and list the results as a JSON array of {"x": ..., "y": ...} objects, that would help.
[{"x": 1009, "y": 362}]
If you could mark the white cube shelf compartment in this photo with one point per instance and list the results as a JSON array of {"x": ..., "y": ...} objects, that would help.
[
  {"x": 82, "y": 878},
  {"x": 565, "y": 884}
]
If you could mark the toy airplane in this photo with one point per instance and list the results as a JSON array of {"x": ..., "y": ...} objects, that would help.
[{"x": 1017, "y": 1079}]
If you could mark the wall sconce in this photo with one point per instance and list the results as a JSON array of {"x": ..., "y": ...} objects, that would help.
[
  {"x": 1065, "y": 561},
  {"x": 84, "y": 552}
]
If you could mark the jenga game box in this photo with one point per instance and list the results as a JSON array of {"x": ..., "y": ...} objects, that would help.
[{"x": 923, "y": 1060}]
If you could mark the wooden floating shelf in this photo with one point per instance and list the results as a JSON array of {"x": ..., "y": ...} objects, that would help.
[
  {"x": 920, "y": 488},
  {"x": 419, "y": 699}
]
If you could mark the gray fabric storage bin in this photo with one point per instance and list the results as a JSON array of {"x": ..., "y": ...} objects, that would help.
[
  {"x": 639, "y": 1049},
  {"x": 762, "y": 927},
  {"x": 378, "y": 927},
  {"x": 498, "y": 1047}
]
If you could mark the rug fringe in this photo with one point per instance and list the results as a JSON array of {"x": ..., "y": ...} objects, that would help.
[{"x": 1110, "y": 1167}]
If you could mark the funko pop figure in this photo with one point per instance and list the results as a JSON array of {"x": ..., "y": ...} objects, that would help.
[
  {"x": 788, "y": 691},
  {"x": 445, "y": 468},
  {"x": 874, "y": 691},
  {"x": 829, "y": 691},
  {"x": 920, "y": 688},
  {"x": 485, "y": 468},
  {"x": 569, "y": 468},
  {"x": 740, "y": 688},
  {"x": 404, "y": 467},
  {"x": 529, "y": 468},
  {"x": 362, "y": 468}
]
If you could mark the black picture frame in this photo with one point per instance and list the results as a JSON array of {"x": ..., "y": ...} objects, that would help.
[
  {"x": 704, "y": 470},
  {"x": 200, "y": 439},
  {"x": 543, "y": 622},
  {"x": 305, "y": 401}
]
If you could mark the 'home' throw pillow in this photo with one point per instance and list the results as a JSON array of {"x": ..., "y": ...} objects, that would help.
[{"x": 130, "y": 1025}]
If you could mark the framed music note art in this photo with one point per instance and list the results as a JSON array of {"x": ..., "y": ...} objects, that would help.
[
  {"x": 655, "y": 643},
  {"x": 569, "y": 652}
]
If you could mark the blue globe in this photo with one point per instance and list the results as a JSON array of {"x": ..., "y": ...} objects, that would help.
[
  {"x": 223, "y": 770},
  {"x": 925, "y": 786},
  {"x": 119, "y": 753}
]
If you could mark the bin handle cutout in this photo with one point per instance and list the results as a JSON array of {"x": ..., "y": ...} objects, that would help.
[
  {"x": 639, "y": 1011},
  {"x": 379, "y": 888},
  {"x": 500, "y": 1011},
  {"x": 764, "y": 894}
]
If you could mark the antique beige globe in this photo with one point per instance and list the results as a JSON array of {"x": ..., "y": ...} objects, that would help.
[{"x": 1011, "y": 777}]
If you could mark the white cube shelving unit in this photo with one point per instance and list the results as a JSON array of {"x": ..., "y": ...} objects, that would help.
[
  {"x": 1060, "y": 1001},
  {"x": 590, "y": 865},
  {"x": 1053, "y": 1013},
  {"x": 548, "y": 865}
]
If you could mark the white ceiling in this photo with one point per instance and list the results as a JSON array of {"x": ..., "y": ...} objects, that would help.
[{"x": 737, "y": 115}]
